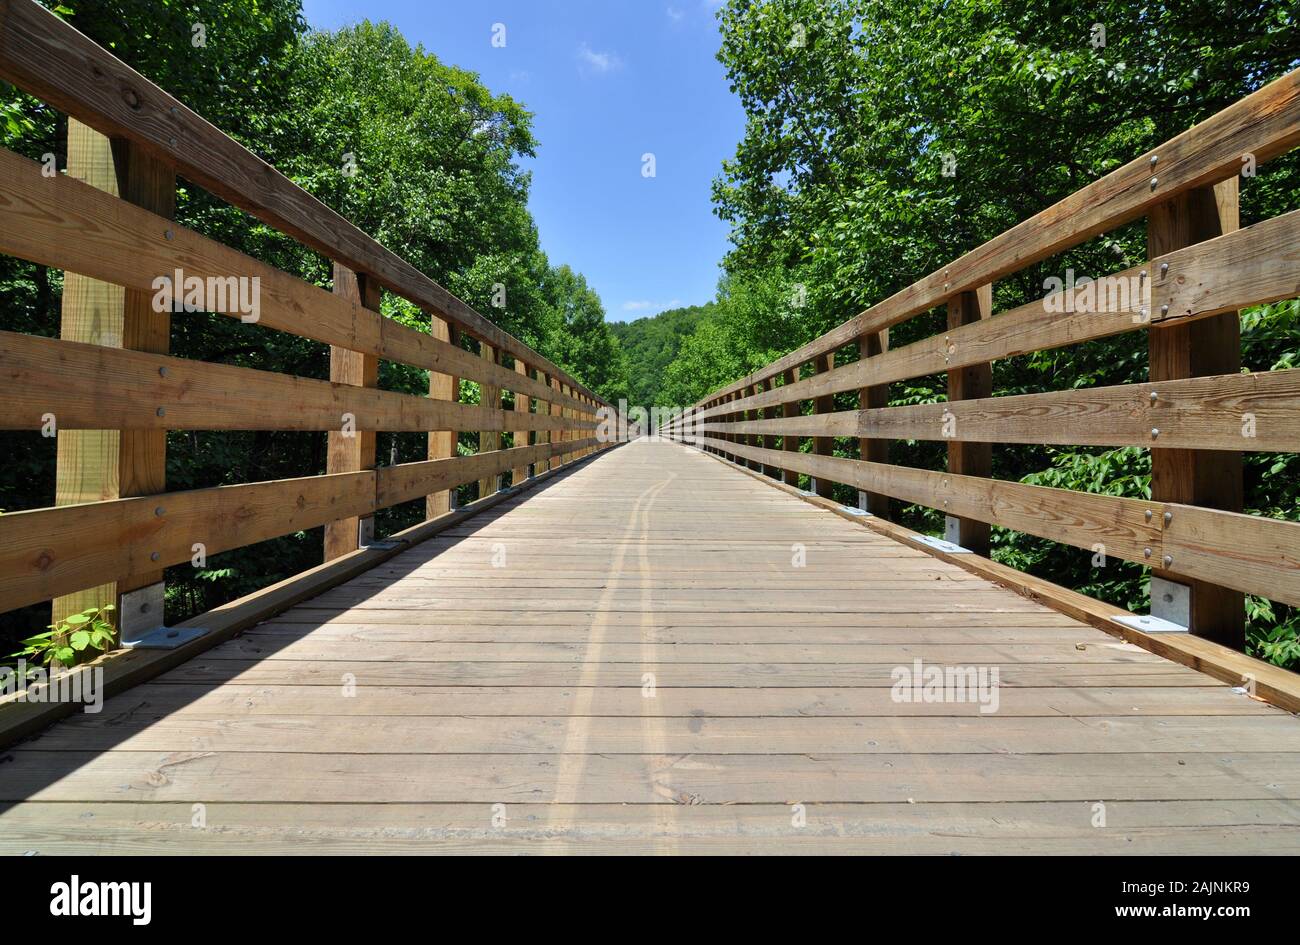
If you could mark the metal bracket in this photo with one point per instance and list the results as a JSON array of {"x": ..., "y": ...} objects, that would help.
[
  {"x": 164, "y": 638},
  {"x": 365, "y": 531},
  {"x": 807, "y": 494},
  {"x": 1171, "y": 601},
  {"x": 141, "y": 626},
  {"x": 1149, "y": 624},
  {"x": 851, "y": 510},
  {"x": 941, "y": 544}
]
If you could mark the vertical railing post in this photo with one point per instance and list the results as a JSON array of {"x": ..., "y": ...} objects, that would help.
[
  {"x": 790, "y": 443},
  {"x": 352, "y": 449},
  {"x": 1211, "y": 478},
  {"x": 93, "y": 465},
  {"x": 768, "y": 440},
  {"x": 489, "y": 440},
  {"x": 975, "y": 380},
  {"x": 442, "y": 443},
  {"x": 522, "y": 405},
  {"x": 873, "y": 450},
  {"x": 557, "y": 436},
  {"x": 824, "y": 445}
]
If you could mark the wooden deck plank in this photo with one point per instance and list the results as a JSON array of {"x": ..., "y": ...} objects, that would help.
[{"x": 671, "y": 656}]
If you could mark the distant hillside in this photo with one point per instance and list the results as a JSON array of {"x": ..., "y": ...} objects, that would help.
[{"x": 651, "y": 345}]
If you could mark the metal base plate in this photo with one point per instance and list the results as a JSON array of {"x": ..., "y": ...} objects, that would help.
[
  {"x": 851, "y": 510},
  {"x": 164, "y": 638},
  {"x": 382, "y": 544},
  {"x": 1149, "y": 624},
  {"x": 940, "y": 544}
]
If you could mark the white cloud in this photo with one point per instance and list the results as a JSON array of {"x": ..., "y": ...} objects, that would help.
[
  {"x": 599, "y": 62},
  {"x": 645, "y": 305}
]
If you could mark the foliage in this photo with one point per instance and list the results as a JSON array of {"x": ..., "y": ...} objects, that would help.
[{"x": 73, "y": 639}]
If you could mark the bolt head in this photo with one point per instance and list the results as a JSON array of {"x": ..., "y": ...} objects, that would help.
[
  {"x": 1155, "y": 432},
  {"x": 1154, "y": 182}
]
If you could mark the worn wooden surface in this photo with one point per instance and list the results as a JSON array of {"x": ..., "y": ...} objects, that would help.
[{"x": 630, "y": 659}]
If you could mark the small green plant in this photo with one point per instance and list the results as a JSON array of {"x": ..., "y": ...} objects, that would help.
[{"x": 67, "y": 641}]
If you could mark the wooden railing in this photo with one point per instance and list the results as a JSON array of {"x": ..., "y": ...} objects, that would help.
[
  {"x": 110, "y": 390},
  {"x": 1198, "y": 413}
]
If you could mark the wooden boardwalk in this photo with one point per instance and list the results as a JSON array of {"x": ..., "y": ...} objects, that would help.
[{"x": 657, "y": 653}]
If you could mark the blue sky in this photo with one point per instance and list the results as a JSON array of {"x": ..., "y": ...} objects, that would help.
[{"x": 608, "y": 81}]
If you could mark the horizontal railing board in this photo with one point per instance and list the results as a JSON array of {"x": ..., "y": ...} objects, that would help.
[
  {"x": 408, "y": 481},
  {"x": 1080, "y": 519},
  {"x": 1264, "y": 124},
  {"x": 1256, "y": 412},
  {"x": 90, "y": 387},
  {"x": 48, "y": 58},
  {"x": 64, "y": 223},
  {"x": 1246, "y": 267},
  {"x": 1246, "y": 552},
  {"x": 53, "y": 551}
]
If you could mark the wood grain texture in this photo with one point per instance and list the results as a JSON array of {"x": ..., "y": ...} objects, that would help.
[
  {"x": 66, "y": 224},
  {"x": 773, "y": 682}
]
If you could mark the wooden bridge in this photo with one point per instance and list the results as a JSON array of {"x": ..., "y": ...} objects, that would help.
[{"x": 668, "y": 646}]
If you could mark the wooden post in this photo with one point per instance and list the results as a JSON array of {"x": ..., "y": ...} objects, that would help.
[
  {"x": 976, "y": 380},
  {"x": 1211, "y": 478},
  {"x": 558, "y": 435},
  {"x": 522, "y": 405},
  {"x": 489, "y": 440},
  {"x": 755, "y": 439},
  {"x": 442, "y": 443},
  {"x": 789, "y": 442},
  {"x": 543, "y": 436},
  {"x": 824, "y": 445},
  {"x": 351, "y": 449},
  {"x": 93, "y": 465},
  {"x": 870, "y": 449},
  {"x": 767, "y": 441}
]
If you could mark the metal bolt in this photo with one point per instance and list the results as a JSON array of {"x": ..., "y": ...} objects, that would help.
[
  {"x": 162, "y": 372},
  {"x": 1147, "y": 513},
  {"x": 1155, "y": 432},
  {"x": 154, "y": 557},
  {"x": 1164, "y": 270},
  {"x": 172, "y": 142},
  {"x": 1142, "y": 312},
  {"x": 1168, "y": 560},
  {"x": 169, "y": 234},
  {"x": 162, "y": 411},
  {"x": 1146, "y": 552},
  {"x": 1154, "y": 158},
  {"x": 158, "y": 511},
  {"x": 1164, "y": 309},
  {"x": 1169, "y": 517},
  {"x": 1154, "y": 396},
  {"x": 1142, "y": 274},
  {"x": 174, "y": 110},
  {"x": 1154, "y": 182}
]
